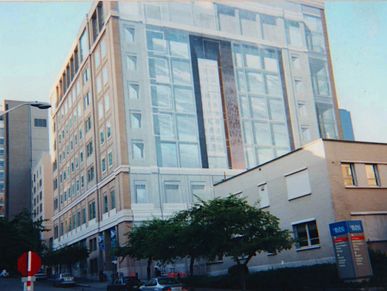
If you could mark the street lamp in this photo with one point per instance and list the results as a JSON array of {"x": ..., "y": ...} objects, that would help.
[{"x": 40, "y": 105}]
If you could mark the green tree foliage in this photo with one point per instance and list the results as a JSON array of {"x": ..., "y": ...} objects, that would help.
[
  {"x": 153, "y": 240},
  {"x": 65, "y": 256},
  {"x": 220, "y": 227},
  {"x": 19, "y": 235}
]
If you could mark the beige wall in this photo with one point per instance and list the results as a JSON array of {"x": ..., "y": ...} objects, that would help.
[
  {"x": 317, "y": 205},
  {"x": 361, "y": 202}
]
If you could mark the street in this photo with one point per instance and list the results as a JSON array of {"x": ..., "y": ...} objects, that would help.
[{"x": 13, "y": 284}]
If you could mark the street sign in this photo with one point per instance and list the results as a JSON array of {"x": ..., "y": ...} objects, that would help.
[
  {"x": 28, "y": 264},
  {"x": 351, "y": 250}
]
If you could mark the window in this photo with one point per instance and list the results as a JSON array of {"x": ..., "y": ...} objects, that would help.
[
  {"x": 227, "y": 19},
  {"x": 372, "y": 175},
  {"x": 159, "y": 70},
  {"x": 102, "y": 136},
  {"x": 112, "y": 199},
  {"x": 298, "y": 184},
  {"x": 133, "y": 91},
  {"x": 100, "y": 110},
  {"x": 129, "y": 34},
  {"x": 349, "y": 174},
  {"x": 89, "y": 149},
  {"x": 294, "y": 33},
  {"x": 110, "y": 159},
  {"x": 135, "y": 120},
  {"x": 199, "y": 192},
  {"x": 263, "y": 195},
  {"x": 92, "y": 210},
  {"x": 92, "y": 244},
  {"x": 88, "y": 124},
  {"x": 306, "y": 234},
  {"x": 155, "y": 41},
  {"x": 137, "y": 150},
  {"x": 107, "y": 103},
  {"x": 108, "y": 130},
  {"x": 84, "y": 218},
  {"x": 90, "y": 174},
  {"x": 131, "y": 63},
  {"x": 140, "y": 192},
  {"x": 105, "y": 204},
  {"x": 103, "y": 164},
  {"x": 172, "y": 194},
  {"x": 249, "y": 24},
  {"x": 40, "y": 122},
  {"x": 86, "y": 101}
]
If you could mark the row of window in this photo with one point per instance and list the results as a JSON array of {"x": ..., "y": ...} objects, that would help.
[
  {"x": 83, "y": 215},
  {"x": 350, "y": 178}
]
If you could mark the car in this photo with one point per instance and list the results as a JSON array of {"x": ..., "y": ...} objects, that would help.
[
  {"x": 64, "y": 279},
  {"x": 125, "y": 284},
  {"x": 164, "y": 284},
  {"x": 41, "y": 275}
]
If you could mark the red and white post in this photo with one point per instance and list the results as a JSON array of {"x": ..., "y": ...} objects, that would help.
[{"x": 29, "y": 285}]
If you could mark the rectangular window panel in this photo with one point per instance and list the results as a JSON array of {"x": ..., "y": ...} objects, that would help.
[
  {"x": 172, "y": 193},
  {"x": 186, "y": 127},
  {"x": 135, "y": 120},
  {"x": 262, "y": 133},
  {"x": 189, "y": 155},
  {"x": 255, "y": 83},
  {"x": 269, "y": 27},
  {"x": 178, "y": 44},
  {"x": 281, "y": 137},
  {"x": 349, "y": 174},
  {"x": 294, "y": 33},
  {"x": 133, "y": 91},
  {"x": 306, "y": 234},
  {"x": 131, "y": 63},
  {"x": 159, "y": 70},
  {"x": 263, "y": 195},
  {"x": 298, "y": 184},
  {"x": 273, "y": 85},
  {"x": 167, "y": 154},
  {"x": 372, "y": 175},
  {"x": 199, "y": 192},
  {"x": 140, "y": 192},
  {"x": 259, "y": 108},
  {"x": 164, "y": 126},
  {"x": 184, "y": 100},
  {"x": 161, "y": 96},
  {"x": 112, "y": 199},
  {"x": 138, "y": 150},
  {"x": 156, "y": 41},
  {"x": 249, "y": 23},
  {"x": 227, "y": 19},
  {"x": 181, "y": 71},
  {"x": 265, "y": 155},
  {"x": 129, "y": 34}
]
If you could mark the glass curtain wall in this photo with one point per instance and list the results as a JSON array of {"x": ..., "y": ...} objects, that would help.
[
  {"x": 173, "y": 103},
  {"x": 261, "y": 103}
]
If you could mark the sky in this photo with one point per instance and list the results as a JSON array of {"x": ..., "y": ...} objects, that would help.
[{"x": 35, "y": 39}]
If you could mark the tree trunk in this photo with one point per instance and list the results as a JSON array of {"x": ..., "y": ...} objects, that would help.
[
  {"x": 148, "y": 268},
  {"x": 191, "y": 266}
]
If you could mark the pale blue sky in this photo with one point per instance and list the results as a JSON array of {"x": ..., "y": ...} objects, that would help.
[{"x": 35, "y": 39}]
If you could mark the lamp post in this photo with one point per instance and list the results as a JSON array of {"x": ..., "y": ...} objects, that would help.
[{"x": 40, "y": 105}]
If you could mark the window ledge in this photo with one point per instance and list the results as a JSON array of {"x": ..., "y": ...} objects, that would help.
[
  {"x": 365, "y": 187},
  {"x": 308, "y": 248},
  {"x": 301, "y": 196}
]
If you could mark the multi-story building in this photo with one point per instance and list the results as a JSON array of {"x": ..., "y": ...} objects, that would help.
[
  {"x": 2, "y": 168},
  {"x": 346, "y": 123},
  {"x": 320, "y": 183},
  {"x": 41, "y": 200},
  {"x": 26, "y": 137},
  {"x": 159, "y": 101}
]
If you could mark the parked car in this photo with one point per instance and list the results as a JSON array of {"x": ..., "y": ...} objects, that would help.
[
  {"x": 164, "y": 284},
  {"x": 125, "y": 284},
  {"x": 41, "y": 275},
  {"x": 64, "y": 279}
]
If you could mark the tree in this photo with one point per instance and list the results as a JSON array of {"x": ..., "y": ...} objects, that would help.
[
  {"x": 236, "y": 229},
  {"x": 19, "y": 235},
  {"x": 68, "y": 255},
  {"x": 153, "y": 240}
]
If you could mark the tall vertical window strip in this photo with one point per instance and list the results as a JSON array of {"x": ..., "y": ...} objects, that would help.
[
  {"x": 349, "y": 174},
  {"x": 261, "y": 103},
  {"x": 174, "y": 110},
  {"x": 372, "y": 175},
  {"x": 212, "y": 113}
]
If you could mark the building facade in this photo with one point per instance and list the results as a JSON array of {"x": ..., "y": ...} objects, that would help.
[
  {"x": 323, "y": 182},
  {"x": 346, "y": 123},
  {"x": 41, "y": 199},
  {"x": 26, "y": 137},
  {"x": 159, "y": 101},
  {"x": 2, "y": 168}
]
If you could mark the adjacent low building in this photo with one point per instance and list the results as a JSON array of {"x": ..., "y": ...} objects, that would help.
[
  {"x": 320, "y": 183},
  {"x": 41, "y": 199}
]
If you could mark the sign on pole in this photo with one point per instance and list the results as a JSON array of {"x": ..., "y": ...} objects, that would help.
[
  {"x": 352, "y": 258},
  {"x": 28, "y": 264}
]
